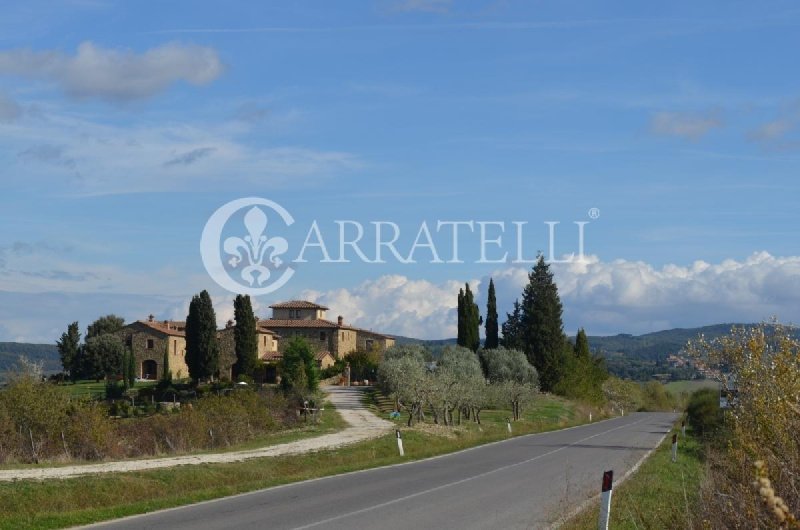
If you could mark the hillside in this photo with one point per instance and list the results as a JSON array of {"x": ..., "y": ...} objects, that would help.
[
  {"x": 656, "y": 345},
  {"x": 650, "y": 346},
  {"x": 47, "y": 353}
]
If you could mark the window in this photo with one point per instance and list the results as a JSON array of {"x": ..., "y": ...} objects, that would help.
[
  {"x": 150, "y": 344},
  {"x": 368, "y": 343},
  {"x": 129, "y": 340},
  {"x": 265, "y": 340},
  {"x": 342, "y": 335},
  {"x": 321, "y": 335},
  {"x": 174, "y": 345}
]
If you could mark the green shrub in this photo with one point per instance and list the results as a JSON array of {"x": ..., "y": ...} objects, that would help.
[
  {"x": 704, "y": 413},
  {"x": 39, "y": 422}
]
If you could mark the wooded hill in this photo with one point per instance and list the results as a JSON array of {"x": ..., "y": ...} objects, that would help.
[{"x": 47, "y": 353}]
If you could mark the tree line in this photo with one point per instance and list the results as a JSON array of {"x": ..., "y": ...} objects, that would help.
[{"x": 535, "y": 327}]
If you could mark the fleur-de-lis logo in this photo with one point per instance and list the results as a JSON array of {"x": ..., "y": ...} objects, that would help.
[
  {"x": 253, "y": 248},
  {"x": 249, "y": 262}
]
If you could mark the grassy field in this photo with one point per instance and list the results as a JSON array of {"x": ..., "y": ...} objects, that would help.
[
  {"x": 661, "y": 494},
  {"x": 677, "y": 387},
  {"x": 63, "y": 503}
]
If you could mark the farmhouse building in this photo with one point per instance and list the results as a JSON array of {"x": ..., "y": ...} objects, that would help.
[
  {"x": 150, "y": 339},
  {"x": 299, "y": 318}
]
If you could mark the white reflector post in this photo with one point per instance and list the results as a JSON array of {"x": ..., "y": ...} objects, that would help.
[
  {"x": 683, "y": 428},
  {"x": 400, "y": 442},
  {"x": 590, "y": 417},
  {"x": 605, "y": 500},
  {"x": 508, "y": 424},
  {"x": 674, "y": 447}
]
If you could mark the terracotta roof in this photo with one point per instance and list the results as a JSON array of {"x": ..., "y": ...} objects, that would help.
[
  {"x": 277, "y": 356},
  {"x": 298, "y": 323},
  {"x": 272, "y": 356},
  {"x": 175, "y": 328},
  {"x": 322, "y": 354},
  {"x": 260, "y": 328},
  {"x": 318, "y": 323},
  {"x": 297, "y": 304},
  {"x": 369, "y": 332}
]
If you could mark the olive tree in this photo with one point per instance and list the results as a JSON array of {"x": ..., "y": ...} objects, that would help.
[{"x": 514, "y": 380}]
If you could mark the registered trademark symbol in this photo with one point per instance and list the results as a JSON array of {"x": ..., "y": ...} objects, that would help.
[{"x": 594, "y": 213}]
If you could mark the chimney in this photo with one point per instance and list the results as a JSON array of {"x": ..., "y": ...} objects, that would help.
[
  {"x": 150, "y": 318},
  {"x": 229, "y": 324},
  {"x": 166, "y": 324},
  {"x": 341, "y": 320}
]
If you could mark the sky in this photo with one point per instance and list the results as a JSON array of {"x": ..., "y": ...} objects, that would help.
[{"x": 671, "y": 130}]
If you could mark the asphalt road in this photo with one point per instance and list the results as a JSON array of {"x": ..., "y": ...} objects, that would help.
[{"x": 524, "y": 482}]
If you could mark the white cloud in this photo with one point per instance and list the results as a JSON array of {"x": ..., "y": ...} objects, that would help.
[
  {"x": 101, "y": 158},
  {"x": 113, "y": 74},
  {"x": 396, "y": 304},
  {"x": 604, "y": 297},
  {"x": 775, "y": 135},
  {"x": 691, "y": 126},
  {"x": 772, "y": 130},
  {"x": 9, "y": 109}
]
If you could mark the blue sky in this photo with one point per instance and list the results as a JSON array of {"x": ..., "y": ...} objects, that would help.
[{"x": 123, "y": 126}]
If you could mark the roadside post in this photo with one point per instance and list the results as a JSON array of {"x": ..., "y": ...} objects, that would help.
[
  {"x": 590, "y": 417},
  {"x": 683, "y": 429},
  {"x": 674, "y": 447},
  {"x": 605, "y": 500},
  {"x": 508, "y": 424},
  {"x": 399, "y": 442}
]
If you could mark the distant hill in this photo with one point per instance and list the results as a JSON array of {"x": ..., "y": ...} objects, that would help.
[
  {"x": 47, "y": 353},
  {"x": 658, "y": 344},
  {"x": 436, "y": 342},
  {"x": 650, "y": 346}
]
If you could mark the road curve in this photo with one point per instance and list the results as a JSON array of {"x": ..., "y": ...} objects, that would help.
[
  {"x": 363, "y": 425},
  {"x": 524, "y": 482}
]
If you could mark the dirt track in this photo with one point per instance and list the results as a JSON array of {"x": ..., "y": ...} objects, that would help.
[{"x": 363, "y": 425}]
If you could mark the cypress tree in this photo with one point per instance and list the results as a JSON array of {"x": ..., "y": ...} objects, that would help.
[
  {"x": 491, "y": 341},
  {"x": 542, "y": 326},
  {"x": 582, "y": 345},
  {"x": 202, "y": 348},
  {"x": 126, "y": 365},
  {"x": 69, "y": 350},
  {"x": 462, "y": 319},
  {"x": 512, "y": 329},
  {"x": 166, "y": 371},
  {"x": 472, "y": 338},
  {"x": 244, "y": 336},
  {"x": 131, "y": 369}
]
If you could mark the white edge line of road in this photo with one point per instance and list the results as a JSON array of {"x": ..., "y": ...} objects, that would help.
[
  {"x": 328, "y": 477},
  {"x": 594, "y": 498}
]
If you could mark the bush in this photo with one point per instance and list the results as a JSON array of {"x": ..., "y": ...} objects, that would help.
[
  {"x": 703, "y": 411},
  {"x": 39, "y": 421},
  {"x": 656, "y": 397}
]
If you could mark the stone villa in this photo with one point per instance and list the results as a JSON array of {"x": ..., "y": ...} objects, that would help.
[
  {"x": 298, "y": 318},
  {"x": 150, "y": 339}
]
